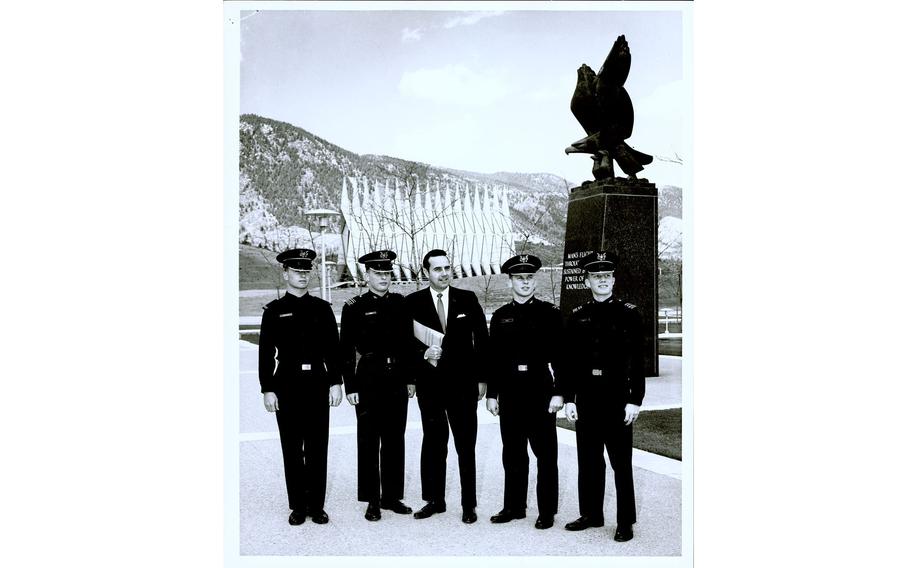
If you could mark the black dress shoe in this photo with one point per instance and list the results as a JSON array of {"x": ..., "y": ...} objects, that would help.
[
  {"x": 623, "y": 533},
  {"x": 373, "y": 513},
  {"x": 544, "y": 522},
  {"x": 582, "y": 523},
  {"x": 430, "y": 509},
  {"x": 296, "y": 517},
  {"x": 397, "y": 507},
  {"x": 507, "y": 515},
  {"x": 468, "y": 516},
  {"x": 319, "y": 517}
]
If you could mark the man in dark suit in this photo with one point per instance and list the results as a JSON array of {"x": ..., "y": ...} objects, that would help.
[
  {"x": 525, "y": 341},
  {"x": 299, "y": 377},
  {"x": 449, "y": 378},
  {"x": 603, "y": 389},
  {"x": 376, "y": 333}
]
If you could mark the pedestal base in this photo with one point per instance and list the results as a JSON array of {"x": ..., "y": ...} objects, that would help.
[{"x": 617, "y": 215}]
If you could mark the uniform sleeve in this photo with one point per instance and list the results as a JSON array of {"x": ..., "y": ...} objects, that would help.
[
  {"x": 566, "y": 375},
  {"x": 347, "y": 349},
  {"x": 330, "y": 344},
  {"x": 267, "y": 352},
  {"x": 557, "y": 347},
  {"x": 636, "y": 357},
  {"x": 494, "y": 358},
  {"x": 414, "y": 349},
  {"x": 403, "y": 338},
  {"x": 481, "y": 339}
]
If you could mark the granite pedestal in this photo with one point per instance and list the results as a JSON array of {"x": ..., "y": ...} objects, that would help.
[{"x": 617, "y": 215}]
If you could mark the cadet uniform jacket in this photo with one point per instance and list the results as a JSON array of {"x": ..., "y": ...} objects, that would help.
[
  {"x": 379, "y": 331},
  {"x": 298, "y": 345},
  {"x": 525, "y": 339},
  {"x": 604, "y": 353}
]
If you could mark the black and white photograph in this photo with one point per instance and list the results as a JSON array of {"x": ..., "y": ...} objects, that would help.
[
  {"x": 461, "y": 252},
  {"x": 521, "y": 284}
]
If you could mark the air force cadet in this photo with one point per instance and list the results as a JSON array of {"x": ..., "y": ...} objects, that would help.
[
  {"x": 376, "y": 334},
  {"x": 603, "y": 391},
  {"x": 525, "y": 341},
  {"x": 300, "y": 378}
]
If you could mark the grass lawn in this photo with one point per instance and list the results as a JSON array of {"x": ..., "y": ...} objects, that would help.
[{"x": 656, "y": 431}]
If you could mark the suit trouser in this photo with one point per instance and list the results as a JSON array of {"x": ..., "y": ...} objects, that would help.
[
  {"x": 519, "y": 425},
  {"x": 594, "y": 430},
  {"x": 381, "y": 420},
  {"x": 440, "y": 408},
  {"x": 303, "y": 426}
]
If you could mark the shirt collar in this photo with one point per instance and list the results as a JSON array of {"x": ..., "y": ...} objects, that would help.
[{"x": 445, "y": 295}]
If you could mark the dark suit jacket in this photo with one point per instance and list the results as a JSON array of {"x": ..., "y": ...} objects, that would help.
[{"x": 464, "y": 347}]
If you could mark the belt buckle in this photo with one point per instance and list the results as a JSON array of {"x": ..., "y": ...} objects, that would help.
[
  {"x": 597, "y": 372},
  {"x": 522, "y": 367}
]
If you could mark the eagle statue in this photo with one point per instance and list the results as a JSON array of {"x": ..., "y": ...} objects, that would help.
[{"x": 604, "y": 109}]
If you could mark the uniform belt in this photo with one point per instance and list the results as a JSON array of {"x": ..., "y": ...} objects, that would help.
[
  {"x": 525, "y": 367},
  {"x": 388, "y": 360}
]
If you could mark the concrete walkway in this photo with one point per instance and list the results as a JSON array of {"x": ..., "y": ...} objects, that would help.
[{"x": 264, "y": 530}]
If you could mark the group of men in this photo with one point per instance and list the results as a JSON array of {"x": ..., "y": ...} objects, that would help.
[{"x": 435, "y": 343}]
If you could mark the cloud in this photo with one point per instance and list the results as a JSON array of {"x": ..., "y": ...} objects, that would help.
[
  {"x": 470, "y": 19},
  {"x": 453, "y": 84},
  {"x": 409, "y": 35}
]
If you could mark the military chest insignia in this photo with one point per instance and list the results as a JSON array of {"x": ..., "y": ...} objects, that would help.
[
  {"x": 577, "y": 308},
  {"x": 522, "y": 367},
  {"x": 461, "y": 316},
  {"x": 306, "y": 367},
  {"x": 370, "y": 313},
  {"x": 597, "y": 372},
  {"x": 508, "y": 320},
  {"x": 285, "y": 315},
  {"x": 630, "y": 306}
]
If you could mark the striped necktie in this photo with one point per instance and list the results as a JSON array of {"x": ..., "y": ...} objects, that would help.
[{"x": 440, "y": 311}]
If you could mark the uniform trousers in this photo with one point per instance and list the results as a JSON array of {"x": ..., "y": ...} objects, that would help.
[
  {"x": 521, "y": 423},
  {"x": 440, "y": 408},
  {"x": 382, "y": 416},
  {"x": 303, "y": 426},
  {"x": 595, "y": 429}
]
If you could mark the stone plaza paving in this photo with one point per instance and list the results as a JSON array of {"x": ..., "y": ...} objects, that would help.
[{"x": 264, "y": 531}]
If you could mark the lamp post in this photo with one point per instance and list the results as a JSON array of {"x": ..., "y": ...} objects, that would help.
[{"x": 323, "y": 216}]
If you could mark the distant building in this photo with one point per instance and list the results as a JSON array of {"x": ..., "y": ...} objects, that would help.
[{"x": 474, "y": 227}]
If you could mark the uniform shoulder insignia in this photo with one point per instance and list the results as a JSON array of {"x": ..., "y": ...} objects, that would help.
[
  {"x": 578, "y": 308},
  {"x": 352, "y": 301},
  {"x": 630, "y": 305},
  {"x": 270, "y": 305}
]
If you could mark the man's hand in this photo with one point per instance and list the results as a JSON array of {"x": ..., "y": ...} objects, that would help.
[
  {"x": 493, "y": 406},
  {"x": 270, "y": 401},
  {"x": 571, "y": 412},
  {"x": 335, "y": 395},
  {"x": 412, "y": 389},
  {"x": 555, "y": 404},
  {"x": 481, "y": 390},
  {"x": 353, "y": 398},
  {"x": 632, "y": 411},
  {"x": 434, "y": 352}
]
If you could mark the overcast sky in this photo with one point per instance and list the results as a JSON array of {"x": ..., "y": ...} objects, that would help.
[{"x": 482, "y": 91}]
